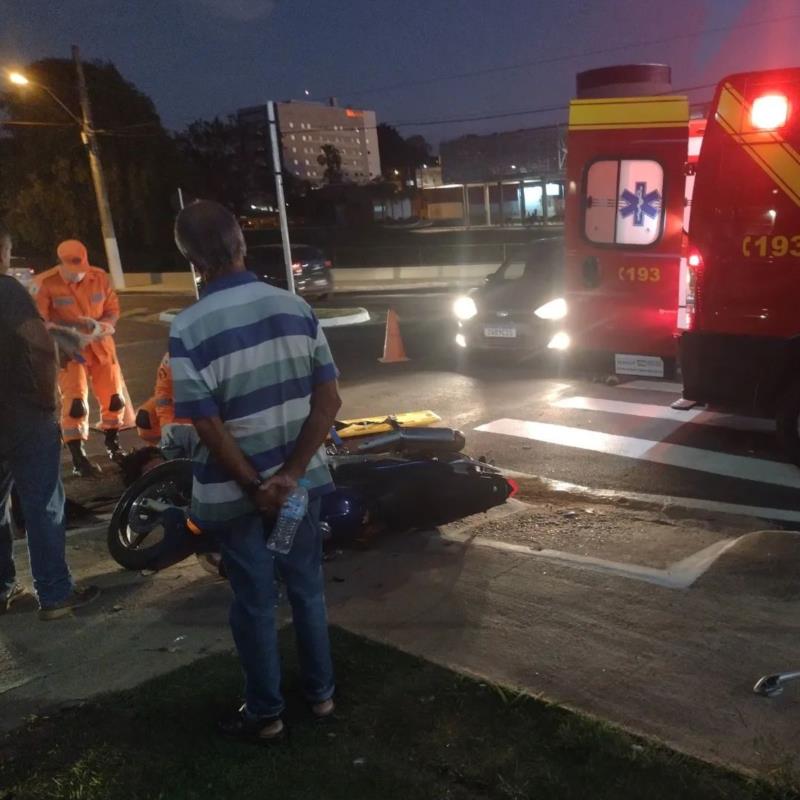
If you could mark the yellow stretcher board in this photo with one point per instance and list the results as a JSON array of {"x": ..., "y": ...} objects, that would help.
[{"x": 369, "y": 426}]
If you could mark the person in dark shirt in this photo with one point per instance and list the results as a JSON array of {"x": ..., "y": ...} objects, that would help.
[{"x": 30, "y": 456}]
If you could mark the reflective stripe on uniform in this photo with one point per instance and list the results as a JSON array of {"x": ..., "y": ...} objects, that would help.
[{"x": 63, "y": 301}]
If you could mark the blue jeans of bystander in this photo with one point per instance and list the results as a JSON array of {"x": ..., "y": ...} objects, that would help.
[
  {"x": 30, "y": 454},
  {"x": 251, "y": 571}
]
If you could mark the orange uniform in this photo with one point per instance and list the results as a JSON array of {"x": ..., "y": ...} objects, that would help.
[
  {"x": 147, "y": 425},
  {"x": 165, "y": 397},
  {"x": 79, "y": 296},
  {"x": 158, "y": 412}
]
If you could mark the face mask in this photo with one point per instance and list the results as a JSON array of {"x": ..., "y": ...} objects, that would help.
[{"x": 71, "y": 277}]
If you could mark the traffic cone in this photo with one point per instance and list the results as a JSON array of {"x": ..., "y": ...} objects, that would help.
[{"x": 393, "y": 349}]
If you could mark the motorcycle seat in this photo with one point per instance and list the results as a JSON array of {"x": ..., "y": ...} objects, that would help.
[{"x": 418, "y": 440}]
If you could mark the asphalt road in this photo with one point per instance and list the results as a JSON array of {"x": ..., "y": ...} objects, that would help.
[{"x": 535, "y": 420}]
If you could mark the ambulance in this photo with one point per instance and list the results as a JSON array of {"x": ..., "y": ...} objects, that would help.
[
  {"x": 741, "y": 349},
  {"x": 628, "y": 183}
]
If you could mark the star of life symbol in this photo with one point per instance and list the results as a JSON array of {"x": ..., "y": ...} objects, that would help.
[{"x": 640, "y": 203}]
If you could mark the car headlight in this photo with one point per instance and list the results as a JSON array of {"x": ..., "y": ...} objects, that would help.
[
  {"x": 464, "y": 308},
  {"x": 561, "y": 341},
  {"x": 555, "y": 309}
]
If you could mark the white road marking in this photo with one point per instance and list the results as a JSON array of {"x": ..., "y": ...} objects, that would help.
[
  {"x": 731, "y": 466},
  {"x": 653, "y": 386},
  {"x": 693, "y": 503},
  {"x": 681, "y": 575},
  {"x": 697, "y": 415}
]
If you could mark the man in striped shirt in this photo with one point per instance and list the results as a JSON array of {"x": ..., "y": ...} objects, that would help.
[{"x": 253, "y": 371}]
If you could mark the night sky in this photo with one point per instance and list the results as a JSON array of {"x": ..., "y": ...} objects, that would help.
[{"x": 199, "y": 58}]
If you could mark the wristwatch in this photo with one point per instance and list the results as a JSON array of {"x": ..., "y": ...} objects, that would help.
[{"x": 251, "y": 488}]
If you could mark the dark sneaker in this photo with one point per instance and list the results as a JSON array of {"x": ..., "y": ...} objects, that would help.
[
  {"x": 113, "y": 447},
  {"x": 323, "y": 710},
  {"x": 87, "y": 469},
  {"x": 81, "y": 466},
  {"x": 10, "y": 596},
  {"x": 258, "y": 730},
  {"x": 76, "y": 599}
]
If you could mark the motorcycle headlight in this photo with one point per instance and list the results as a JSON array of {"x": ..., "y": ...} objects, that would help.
[
  {"x": 464, "y": 308},
  {"x": 555, "y": 309}
]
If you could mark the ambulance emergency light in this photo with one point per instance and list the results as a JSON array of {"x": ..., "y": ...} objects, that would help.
[{"x": 770, "y": 111}]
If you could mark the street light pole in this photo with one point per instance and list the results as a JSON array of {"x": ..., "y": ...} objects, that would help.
[
  {"x": 279, "y": 196},
  {"x": 103, "y": 206}
]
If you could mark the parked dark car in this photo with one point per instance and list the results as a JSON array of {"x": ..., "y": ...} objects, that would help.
[
  {"x": 313, "y": 278},
  {"x": 521, "y": 306}
]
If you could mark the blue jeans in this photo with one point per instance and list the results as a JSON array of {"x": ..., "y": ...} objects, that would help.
[
  {"x": 251, "y": 570},
  {"x": 30, "y": 455}
]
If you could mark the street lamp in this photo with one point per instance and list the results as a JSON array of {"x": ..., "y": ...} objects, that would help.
[
  {"x": 88, "y": 138},
  {"x": 18, "y": 79}
]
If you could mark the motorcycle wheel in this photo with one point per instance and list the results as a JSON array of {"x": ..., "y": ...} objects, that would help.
[{"x": 136, "y": 532}]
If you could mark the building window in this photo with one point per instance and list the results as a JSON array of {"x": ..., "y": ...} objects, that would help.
[
  {"x": 291, "y": 124},
  {"x": 623, "y": 202},
  {"x": 296, "y": 162},
  {"x": 306, "y": 162}
]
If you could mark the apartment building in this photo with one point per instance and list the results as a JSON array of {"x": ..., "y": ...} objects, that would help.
[{"x": 305, "y": 127}]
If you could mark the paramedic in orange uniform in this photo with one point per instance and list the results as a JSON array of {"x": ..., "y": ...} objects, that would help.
[
  {"x": 76, "y": 295},
  {"x": 156, "y": 419}
]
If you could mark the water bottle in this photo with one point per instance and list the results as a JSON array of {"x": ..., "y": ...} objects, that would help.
[{"x": 291, "y": 515}]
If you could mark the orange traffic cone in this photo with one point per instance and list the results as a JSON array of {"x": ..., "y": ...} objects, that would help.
[{"x": 393, "y": 349}]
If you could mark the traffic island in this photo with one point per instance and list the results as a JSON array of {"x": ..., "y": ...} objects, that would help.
[
  {"x": 404, "y": 728},
  {"x": 328, "y": 317}
]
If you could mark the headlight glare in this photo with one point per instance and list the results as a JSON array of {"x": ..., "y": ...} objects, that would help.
[
  {"x": 555, "y": 309},
  {"x": 464, "y": 308}
]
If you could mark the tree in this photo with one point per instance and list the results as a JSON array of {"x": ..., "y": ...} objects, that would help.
[
  {"x": 45, "y": 183},
  {"x": 400, "y": 157},
  {"x": 211, "y": 162},
  {"x": 331, "y": 159}
]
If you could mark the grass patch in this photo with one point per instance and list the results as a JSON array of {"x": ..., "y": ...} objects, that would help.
[{"x": 407, "y": 730}]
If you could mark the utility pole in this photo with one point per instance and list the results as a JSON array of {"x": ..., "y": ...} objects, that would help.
[
  {"x": 276, "y": 165},
  {"x": 195, "y": 284},
  {"x": 103, "y": 207}
]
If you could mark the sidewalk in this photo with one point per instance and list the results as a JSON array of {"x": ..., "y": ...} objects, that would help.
[{"x": 523, "y": 597}]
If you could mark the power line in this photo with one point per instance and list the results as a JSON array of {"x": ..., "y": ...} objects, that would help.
[
  {"x": 484, "y": 117},
  {"x": 566, "y": 56}
]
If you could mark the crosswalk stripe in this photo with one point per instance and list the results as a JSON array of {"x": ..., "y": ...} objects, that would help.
[
  {"x": 750, "y": 469},
  {"x": 696, "y": 415},
  {"x": 654, "y": 386}
]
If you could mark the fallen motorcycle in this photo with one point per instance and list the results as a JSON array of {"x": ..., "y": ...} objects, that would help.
[{"x": 405, "y": 479}]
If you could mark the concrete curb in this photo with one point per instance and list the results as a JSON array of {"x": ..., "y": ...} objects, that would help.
[{"x": 361, "y": 316}]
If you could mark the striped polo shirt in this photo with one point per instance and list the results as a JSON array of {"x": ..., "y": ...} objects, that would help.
[{"x": 250, "y": 354}]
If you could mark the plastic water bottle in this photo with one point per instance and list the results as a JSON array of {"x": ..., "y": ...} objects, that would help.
[{"x": 291, "y": 515}]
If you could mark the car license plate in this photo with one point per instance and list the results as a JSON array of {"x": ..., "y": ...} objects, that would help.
[{"x": 500, "y": 332}]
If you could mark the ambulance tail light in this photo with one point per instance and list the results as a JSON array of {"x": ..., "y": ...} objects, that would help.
[
  {"x": 695, "y": 263},
  {"x": 769, "y": 112}
]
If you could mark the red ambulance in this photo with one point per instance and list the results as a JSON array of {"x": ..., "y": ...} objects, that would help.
[
  {"x": 742, "y": 347},
  {"x": 626, "y": 203}
]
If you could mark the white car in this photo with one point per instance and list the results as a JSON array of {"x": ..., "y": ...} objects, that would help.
[{"x": 23, "y": 274}]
